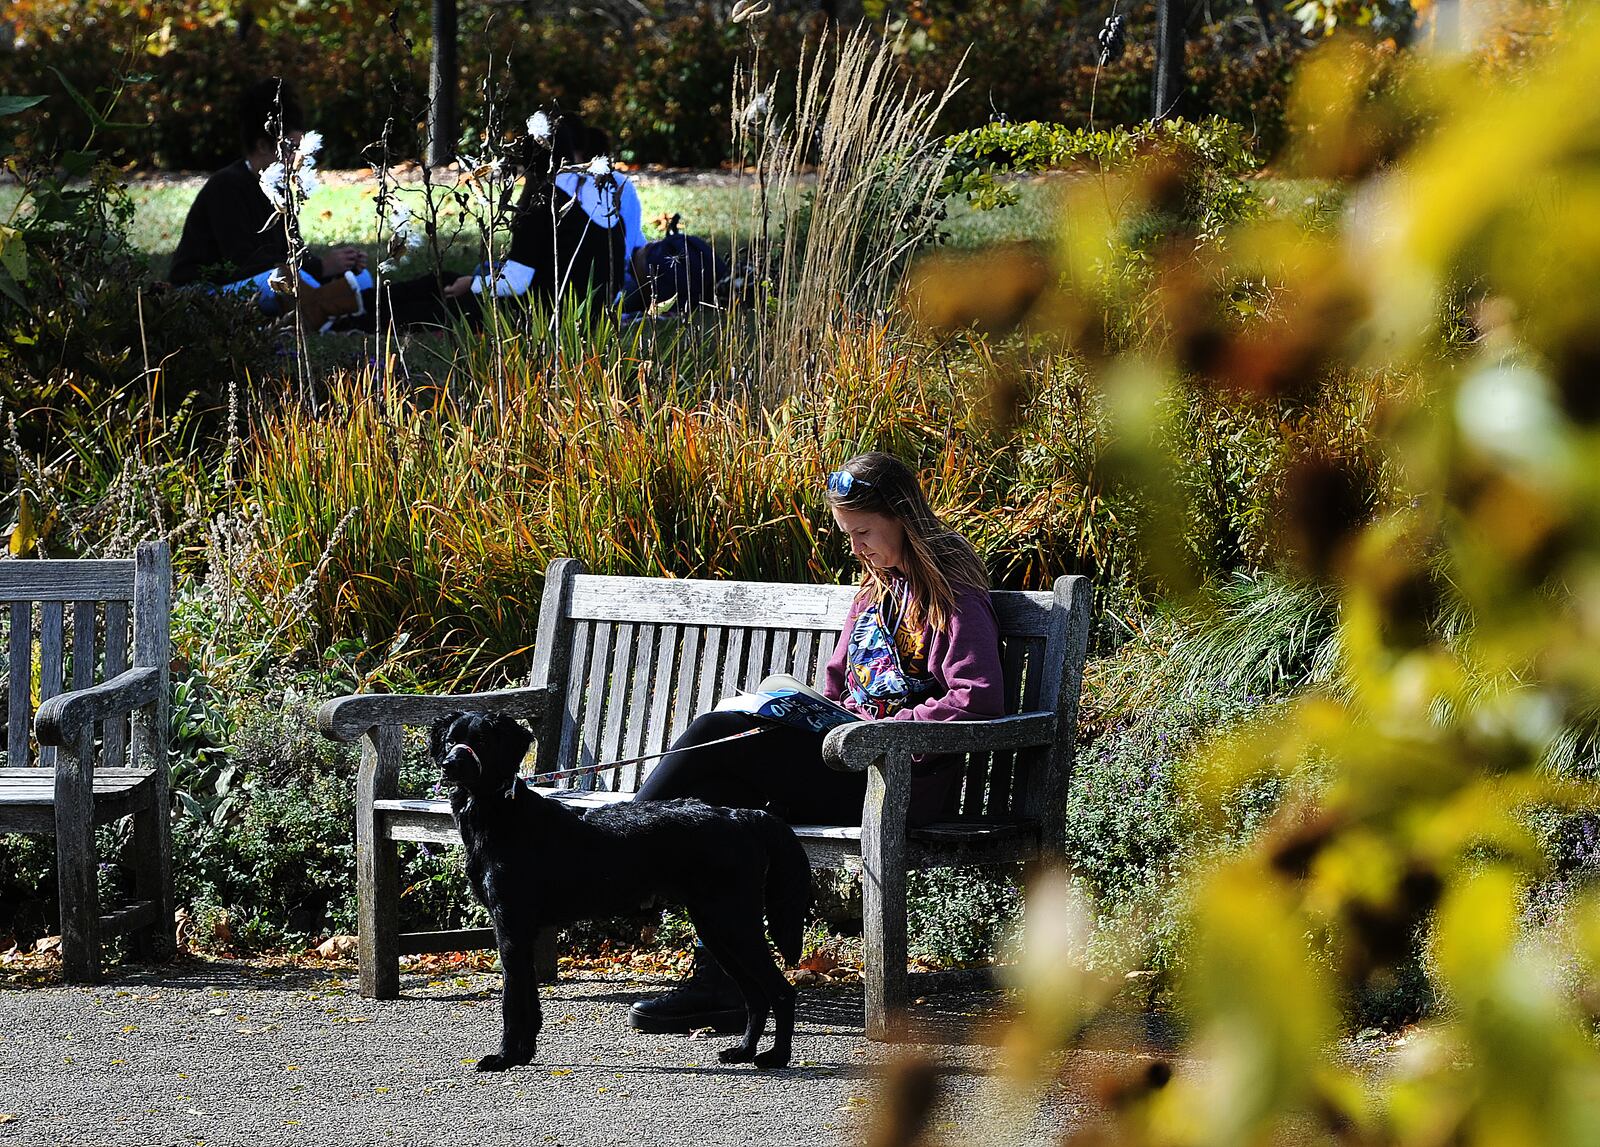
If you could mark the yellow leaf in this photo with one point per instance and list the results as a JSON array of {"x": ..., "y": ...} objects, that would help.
[
  {"x": 24, "y": 535},
  {"x": 1477, "y": 927}
]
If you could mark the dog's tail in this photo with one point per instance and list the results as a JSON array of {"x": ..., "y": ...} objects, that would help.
[{"x": 788, "y": 883}]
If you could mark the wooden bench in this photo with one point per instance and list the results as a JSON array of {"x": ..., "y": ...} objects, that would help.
[
  {"x": 623, "y": 664},
  {"x": 82, "y": 774}
]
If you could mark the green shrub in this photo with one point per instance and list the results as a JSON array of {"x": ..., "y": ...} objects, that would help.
[
  {"x": 659, "y": 81},
  {"x": 961, "y": 916},
  {"x": 1136, "y": 829}
]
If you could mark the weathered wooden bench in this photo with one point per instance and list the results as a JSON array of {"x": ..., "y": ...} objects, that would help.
[
  {"x": 623, "y": 664},
  {"x": 82, "y": 774}
]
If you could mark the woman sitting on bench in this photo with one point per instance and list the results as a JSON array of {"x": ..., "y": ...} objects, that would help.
[{"x": 920, "y": 643}]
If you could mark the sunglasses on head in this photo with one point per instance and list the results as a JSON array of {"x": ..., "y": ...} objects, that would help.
[{"x": 841, "y": 482}]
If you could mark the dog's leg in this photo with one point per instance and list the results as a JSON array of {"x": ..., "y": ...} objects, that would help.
[
  {"x": 521, "y": 1018},
  {"x": 783, "y": 997},
  {"x": 739, "y": 945},
  {"x": 767, "y": 983}
]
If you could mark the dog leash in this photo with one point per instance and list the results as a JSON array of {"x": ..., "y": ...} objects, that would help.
[{"x": 557, "y": 774}]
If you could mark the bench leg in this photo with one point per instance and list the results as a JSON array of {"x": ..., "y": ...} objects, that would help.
[
  {"x": 378, "y": 916},
  {"x": 377, "y": 868},
  {"x": 544, "y": 956},
  {"x": 883, "y": 920},
  {"x": 152, "y": 872},
  {"x": 883, "y": 896},
  {"x": 77, "y": 884}
]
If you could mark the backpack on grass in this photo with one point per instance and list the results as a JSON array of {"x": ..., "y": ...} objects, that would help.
[{"x": 680, "y": 267}]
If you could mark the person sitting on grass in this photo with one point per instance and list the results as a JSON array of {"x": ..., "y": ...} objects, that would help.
[
  {"x": 231, "y": 238},
  {"x": 568, "y": 241}
]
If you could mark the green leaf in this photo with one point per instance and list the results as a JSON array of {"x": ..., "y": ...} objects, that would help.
[
  {"x": 13, "y": 255},
  {"x": 78, "y": 164},
  {"x": 12, "y": 105},
  {"x": 96, "y": 120}
]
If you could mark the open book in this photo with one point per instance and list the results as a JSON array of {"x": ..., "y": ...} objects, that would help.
[{"x": 788, "y": 701}]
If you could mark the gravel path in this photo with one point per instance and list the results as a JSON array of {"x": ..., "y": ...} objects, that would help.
[{"x": 226, "y": 1053}]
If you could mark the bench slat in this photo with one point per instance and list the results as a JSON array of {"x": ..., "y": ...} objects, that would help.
[
  {"x": 75, "y": 580},
  {"x": 1001, "y": 766},
  {"x": 130, "y": 917},
  {"x": 624, "y": 671},
  {"x": 683, "y": 694},
  {"x": 706, "y": 678},
  {"x": 19, "y": 712},
  {"x": 941, "y": 845},
  {"x": 660, "y": 696},
  {"x": 756, "y": 663},
  {"x": 772, "y": 605},
  {"x": 735, "y": 646},
  {"x": 631, "y": 742},
  {"x": 52, "y": 640},
  {"x": 572, "y": 710},
  {"x": 85, "y": 655},
  {"x": 461, "y": 940},
  {"x": 594, "y": 699},
  {"x": 114, "y": 730},
  {"x": 691, "y": 601},
  {"x": 805, "y": 656}
]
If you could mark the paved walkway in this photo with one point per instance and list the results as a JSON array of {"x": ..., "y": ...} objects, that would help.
[{"x": 226, "y": 1053}]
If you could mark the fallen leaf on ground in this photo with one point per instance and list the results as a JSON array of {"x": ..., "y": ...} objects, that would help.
[
  {"x": 338, "y": 947},
  {"x": 822, "y": 960}
]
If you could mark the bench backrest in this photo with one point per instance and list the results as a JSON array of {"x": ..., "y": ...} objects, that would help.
[
  {"x": 69, "y": 624},
  {"x": 637, "y": 659}
]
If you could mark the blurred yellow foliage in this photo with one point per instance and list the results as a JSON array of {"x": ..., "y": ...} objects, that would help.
[{"x": 1465, "y": 267}]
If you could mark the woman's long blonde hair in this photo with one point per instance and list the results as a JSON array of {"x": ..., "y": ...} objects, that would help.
[{"x": 937, "y": 562}]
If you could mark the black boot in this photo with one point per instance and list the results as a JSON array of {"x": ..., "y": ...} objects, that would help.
[{"x": 709, "y": 999}]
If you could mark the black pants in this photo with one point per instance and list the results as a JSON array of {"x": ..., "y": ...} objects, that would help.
[
  {"x": 418, "y": 302},
  {"x": 779, "y": 769}
]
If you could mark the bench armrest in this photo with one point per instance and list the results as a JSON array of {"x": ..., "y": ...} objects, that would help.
[
  {"x": 61, "y": 718},
  {"x": 851, "y": 748},
  {"x": 347, "y": 718}
]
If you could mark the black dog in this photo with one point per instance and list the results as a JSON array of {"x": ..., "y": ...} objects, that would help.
[{"x": 535, "y": 863}]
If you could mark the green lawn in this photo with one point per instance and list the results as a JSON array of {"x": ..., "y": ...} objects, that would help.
[{"x": 723, "y": 212}]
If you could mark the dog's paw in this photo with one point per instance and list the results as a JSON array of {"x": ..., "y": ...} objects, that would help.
[
  {"x": 738, "y": 1054},
  {"x": 773, "y": 1058},
  {"x": 495, "y": 1061}
]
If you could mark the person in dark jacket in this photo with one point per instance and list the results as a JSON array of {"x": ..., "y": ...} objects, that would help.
[
  {"x": 231, "y": 240},
  {"x": 569, "y": 229}
]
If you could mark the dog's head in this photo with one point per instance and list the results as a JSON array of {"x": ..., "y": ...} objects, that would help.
[{"x": 479, "y": 752}]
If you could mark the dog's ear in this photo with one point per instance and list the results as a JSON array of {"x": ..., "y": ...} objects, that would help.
[
  {"x": 440, "y": 728},
  {"x": 511, "y": 733}
]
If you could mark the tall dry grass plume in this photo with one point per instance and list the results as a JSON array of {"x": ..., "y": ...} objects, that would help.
[{"x": 838, "y": 250}]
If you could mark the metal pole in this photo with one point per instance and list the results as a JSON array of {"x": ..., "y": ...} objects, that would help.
[
  {"x": 442, "y": 124},
  {"x": 1171, "y": 17}
]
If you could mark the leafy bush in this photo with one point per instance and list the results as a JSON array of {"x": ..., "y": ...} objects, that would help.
[
  {"x": 658, "y": 80},
  {"x": 961, "y": 916},
  {"x": 1210, "y": 158},
  {"x": 1135, "y": 827}
]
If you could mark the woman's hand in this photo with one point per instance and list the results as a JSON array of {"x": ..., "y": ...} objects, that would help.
[
  {"x": 460, "y": 288},
  {"x": 344, "y": 258}
]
